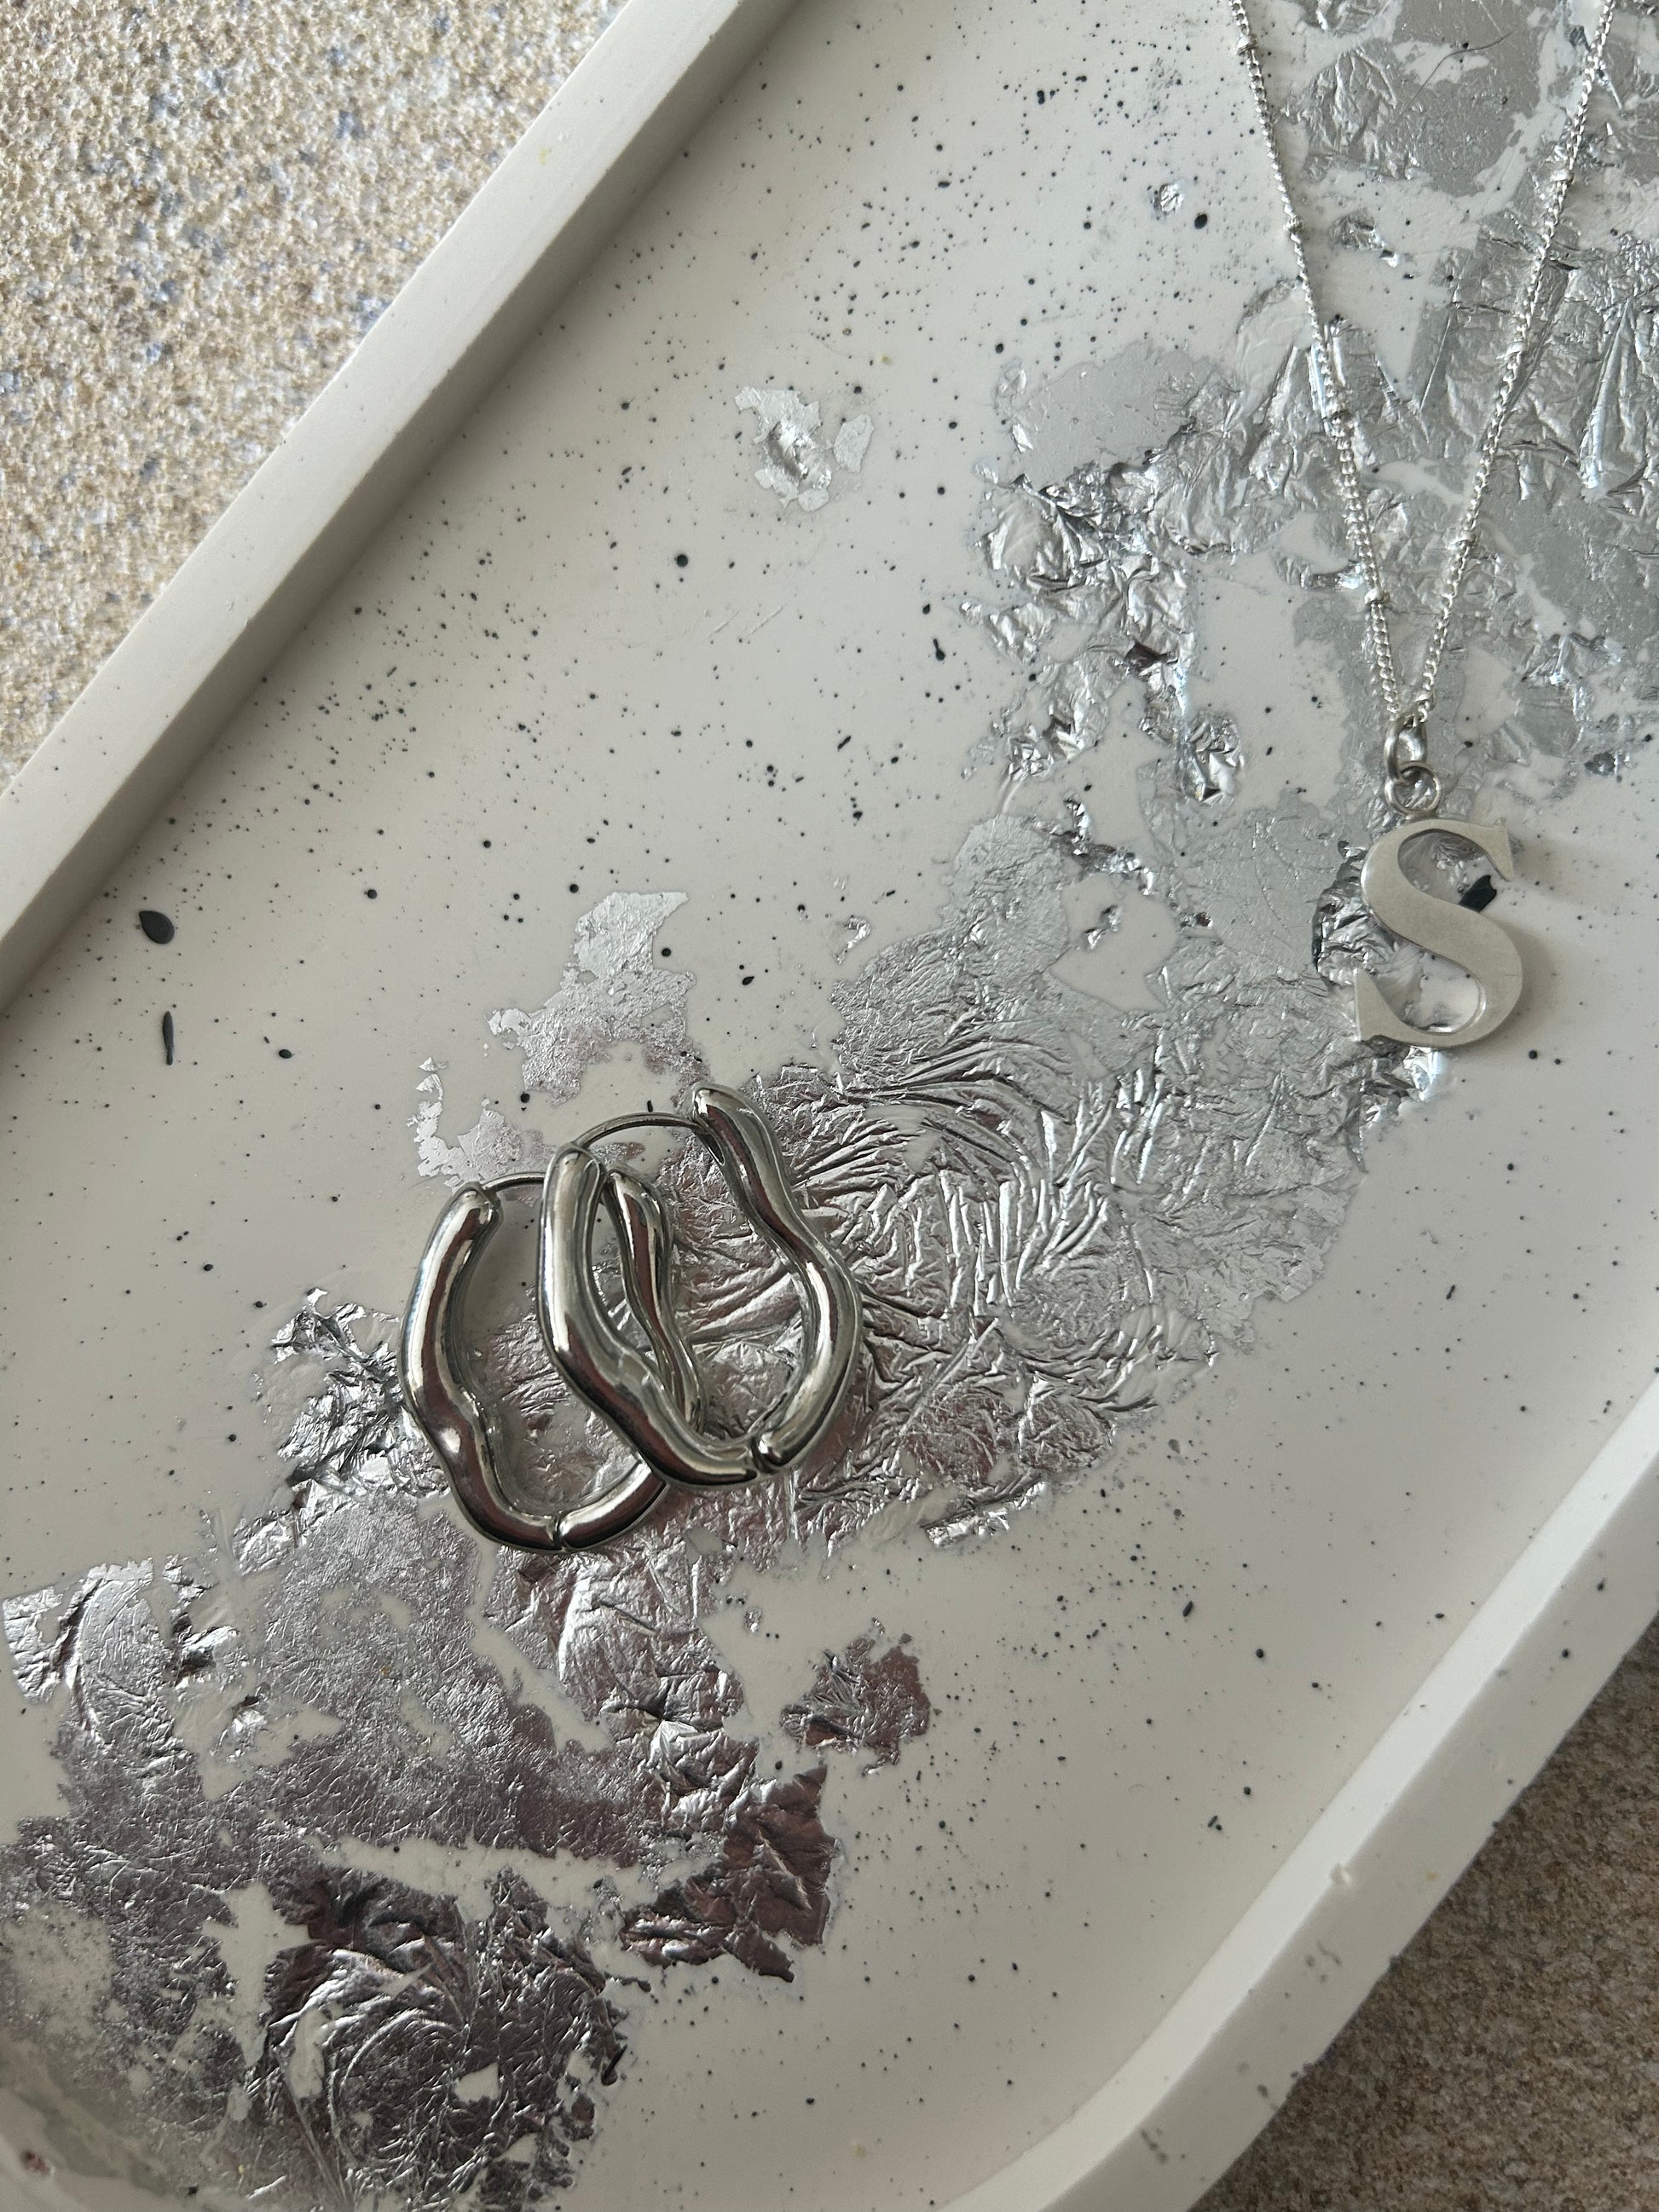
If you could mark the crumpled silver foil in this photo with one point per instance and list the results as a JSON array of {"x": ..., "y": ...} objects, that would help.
[
  {"x": 1429, "y": 98},
  {"x": 613, "y": 989},
  {"x": 868, "y": 1698},
  {"x": 235, "y": 1728},
  {"x": 1059, "y": 1211},
  {"x": 1340, "y": 15}
]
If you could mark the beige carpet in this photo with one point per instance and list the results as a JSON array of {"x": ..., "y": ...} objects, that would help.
[
  {"x": 207, "y": 202},
  {"x": 1510, "y": 2057}
]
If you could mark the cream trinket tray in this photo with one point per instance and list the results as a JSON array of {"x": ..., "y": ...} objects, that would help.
[{"x": 825, "y": 583}]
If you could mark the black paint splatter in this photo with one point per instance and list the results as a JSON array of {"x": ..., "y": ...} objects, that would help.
[
  {"x": 159, "y": 927},
  {"x": 167, "y": 1036}
]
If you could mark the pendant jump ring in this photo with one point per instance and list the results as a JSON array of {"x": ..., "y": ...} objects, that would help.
[{"x": 1414, "y": 789}]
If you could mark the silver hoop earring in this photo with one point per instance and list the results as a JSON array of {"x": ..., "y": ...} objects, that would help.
[
  {"x": 446, "y": 1407},
  {"x": 654, "y": 1402}
]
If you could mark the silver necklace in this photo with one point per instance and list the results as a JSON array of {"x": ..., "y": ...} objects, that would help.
[{"x": 1410, "y": 784}]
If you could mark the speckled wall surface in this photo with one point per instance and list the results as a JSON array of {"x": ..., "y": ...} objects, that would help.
[{"x": 207, "y": 206}]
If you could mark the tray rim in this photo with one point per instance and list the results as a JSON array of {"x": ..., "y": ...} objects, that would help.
[{"x": 1420, "y": 1803}]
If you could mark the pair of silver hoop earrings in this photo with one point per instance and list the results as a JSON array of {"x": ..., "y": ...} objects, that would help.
[{"x": 655, "y": 1398}]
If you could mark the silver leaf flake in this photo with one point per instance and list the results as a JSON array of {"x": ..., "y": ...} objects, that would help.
[
  {"x": 1427, "y": 101},
  {"x": 615, "y": 988},
  {"x": 868, "y": 1698},
  {"x": 801, "y": 460},
  {"x": 492, "y": 1146},
  {"x": 1340, "y": 15},
  {"x": 1360, "y": 234},
  {"x": 31, "y": 1640},
  {"x": 348, "y": 1438},
  {"x": 771, "y": 1880}
]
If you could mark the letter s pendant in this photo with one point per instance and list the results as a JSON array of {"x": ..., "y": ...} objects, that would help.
[{"x": 1438, "y": 925}]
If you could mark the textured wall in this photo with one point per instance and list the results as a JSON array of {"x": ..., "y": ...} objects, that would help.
[{"x": 207, "y": 206}]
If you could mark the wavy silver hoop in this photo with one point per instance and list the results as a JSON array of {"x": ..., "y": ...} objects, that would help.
[{"x": 655, "y": 1402}]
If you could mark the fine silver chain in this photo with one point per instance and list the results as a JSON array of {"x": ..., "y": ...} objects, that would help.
[{"x": 1410, "y": 785}]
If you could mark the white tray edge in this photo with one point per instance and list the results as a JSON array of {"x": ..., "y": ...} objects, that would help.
[
  {"x": 1295, "y": 1967},
  {"x": 167, "y": 690}
]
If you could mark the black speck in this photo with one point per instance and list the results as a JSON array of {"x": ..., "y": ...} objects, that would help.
[
  {"x": 159, "y": 927},
  {"x": 167, "y": 1036},
  {"x": 1201, "y": 221},
  {"x": 1186, "y": 1610},
  {"x": 681, "y": 560},
  {"x": 369, "y": 894},
  {"x": 282, "y": 1053},
  {"x": 1480, "y": 894}
]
